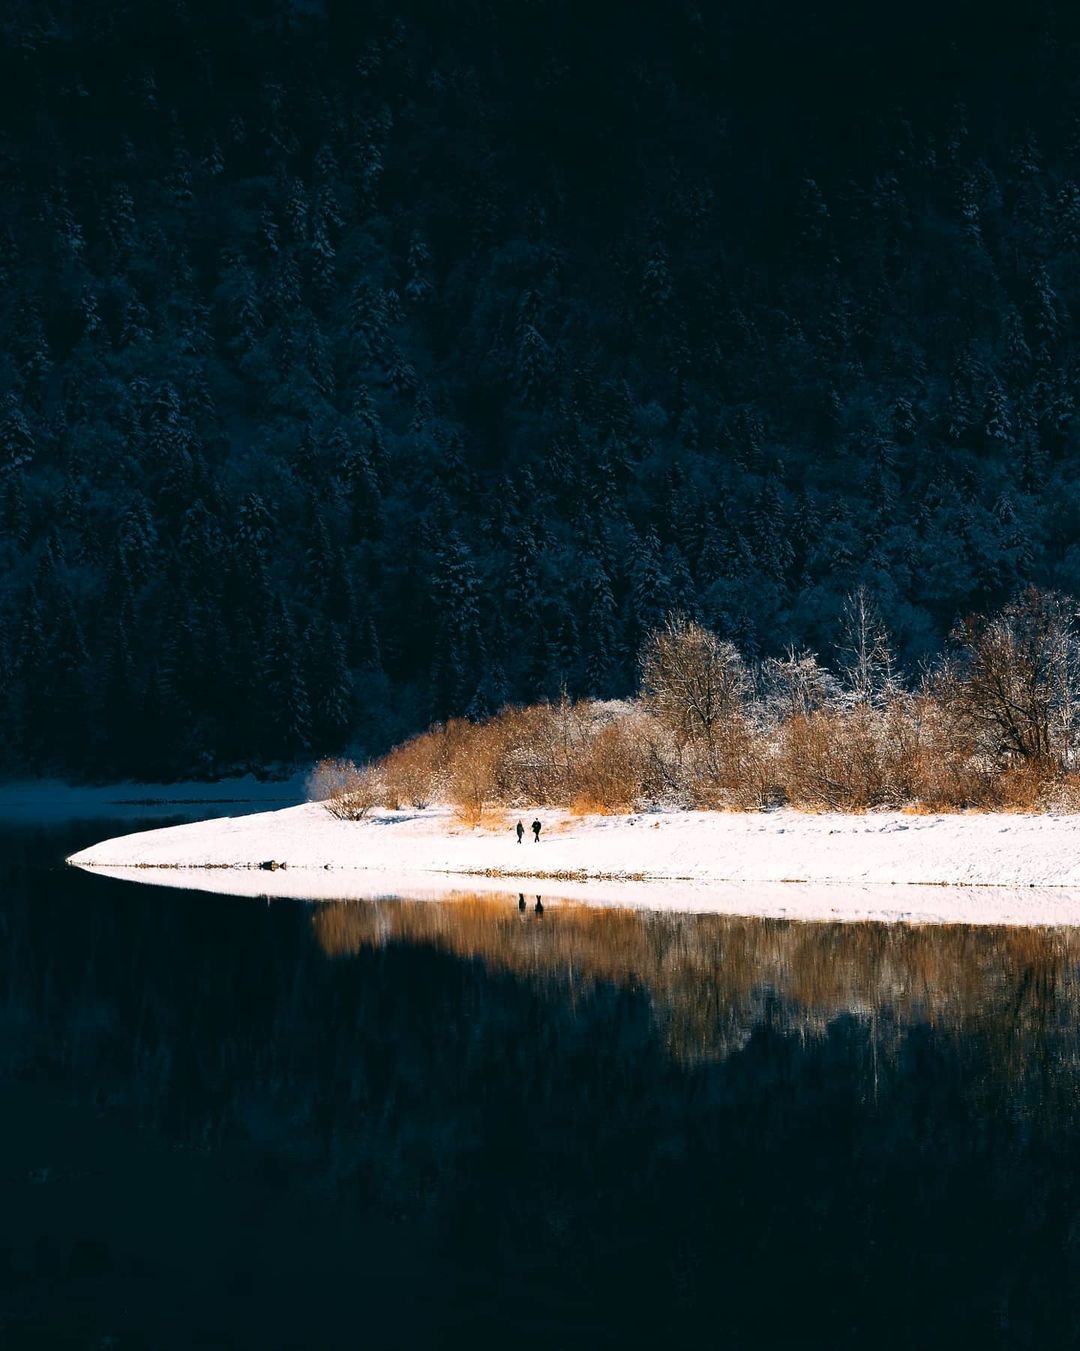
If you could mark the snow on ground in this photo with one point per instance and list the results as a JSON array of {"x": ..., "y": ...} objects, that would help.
[{"x": 986, "y": 868}]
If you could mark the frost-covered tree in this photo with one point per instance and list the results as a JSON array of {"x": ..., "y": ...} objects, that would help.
[
  {"x": 1016, "y": 680},
  {"x": 600, "y": 632},
  {"x": 17, "y": 445},
  {"x": 868, "y": 667},
  {"x": 796, "y": 685},
  {"x": 692, "y": 680}
]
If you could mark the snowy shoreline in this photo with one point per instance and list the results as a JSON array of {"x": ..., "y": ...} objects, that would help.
[{"x": 978, "y": 868}]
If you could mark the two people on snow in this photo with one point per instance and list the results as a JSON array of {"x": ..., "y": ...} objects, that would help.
[{"x": 536, "y": 828}]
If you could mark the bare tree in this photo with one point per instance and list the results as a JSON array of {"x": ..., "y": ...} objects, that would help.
[
  {"x": 693, "y": 680},
  {"x": 992, "y": 724},
  {"x": 1017, "y": 678},
  {"x": 867, "y": 663}
]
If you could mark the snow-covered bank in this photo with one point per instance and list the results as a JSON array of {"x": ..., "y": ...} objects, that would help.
[{"x": 977, "y": 868}]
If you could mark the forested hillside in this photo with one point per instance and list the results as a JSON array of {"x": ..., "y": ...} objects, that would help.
[{"x": 362, "y": 364}]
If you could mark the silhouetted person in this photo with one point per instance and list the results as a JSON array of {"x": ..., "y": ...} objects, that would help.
[
  {"x": 521, "y": 896},
  {"x": 539, "y": 906},
  {"x": 536, "y": 828},
  {"x": 520, "y": 831}
]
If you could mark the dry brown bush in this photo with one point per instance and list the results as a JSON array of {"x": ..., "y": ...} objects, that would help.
[
  {"x": 941, "y": 767},
  {"x": 733, "y": 771},
  {"x": 608, "y": 772},
  {"x": 590, "y": 758},
  {"x": 414, "y": 772},
  {"x": 698, "y": 736},
  {"x": 1016, "y": 681},
  {"x": 1024, "y": 787},
  {"x": 473, "y": 768},
  {"x": 841, "y": 760},
  {"x": 346, "y": 791},
  {"x": 812, "y": 763},
  {"x": 1061, "y": 794},
  {"x": 542, "y": 750}
]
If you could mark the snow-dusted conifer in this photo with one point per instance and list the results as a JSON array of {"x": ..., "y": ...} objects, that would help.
[
  {"x": 600, "y": 632},
  {"x": 17, "y": 446}
]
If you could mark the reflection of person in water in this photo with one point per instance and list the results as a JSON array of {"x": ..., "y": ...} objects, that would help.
[
  {"x": 539, "y": 906},
  {"x": 536, "y": 828},
  {"x": 521, "y": 896}
]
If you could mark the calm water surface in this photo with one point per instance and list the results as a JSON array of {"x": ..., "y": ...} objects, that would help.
[{"x": 225, "y": 1123}]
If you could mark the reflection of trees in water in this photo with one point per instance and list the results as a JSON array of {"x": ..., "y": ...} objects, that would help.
[
  {"x": 712, "y": 978},
  {"x": 843, "y": 1101}
]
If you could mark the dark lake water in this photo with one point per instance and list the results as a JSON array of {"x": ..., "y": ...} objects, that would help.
[{"x": 227, "y": 1123}]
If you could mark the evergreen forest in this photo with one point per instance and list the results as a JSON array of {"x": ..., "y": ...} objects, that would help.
[{"x": 364, "y": 365}]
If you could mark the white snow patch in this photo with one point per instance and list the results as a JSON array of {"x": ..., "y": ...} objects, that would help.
[{"x": 977, "y": 868}]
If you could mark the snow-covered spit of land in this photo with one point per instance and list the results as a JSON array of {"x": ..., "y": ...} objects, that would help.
[{"x": 967, "y": 868}]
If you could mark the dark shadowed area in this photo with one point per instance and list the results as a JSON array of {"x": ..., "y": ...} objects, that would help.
[
  {"x": 374, "y": 367},
  {"x": 362, "y": 365},
  {"x": 231, "y": 1123}
]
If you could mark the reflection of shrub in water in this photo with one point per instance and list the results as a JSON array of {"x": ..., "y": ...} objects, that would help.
[
  {"x": 501, "y": 1094},
  {"x": 711, "y": 978}
]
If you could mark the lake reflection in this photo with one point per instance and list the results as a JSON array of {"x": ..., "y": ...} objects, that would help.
[
  {"x": 710, "y": 980},
  {"x": 403, "y": 1123}
]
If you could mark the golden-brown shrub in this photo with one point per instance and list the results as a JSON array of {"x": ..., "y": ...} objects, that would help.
[
  {"x": 607, "y": 773},
  {"x": 414, "y": 773},
  {"x": 600, "y": 758},
  {"x": 704, "y": 733}
]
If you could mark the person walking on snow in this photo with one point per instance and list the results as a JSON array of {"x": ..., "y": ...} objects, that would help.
[
  {"x": 520, "y": 831},
  {"x": 536, "y": 828}
]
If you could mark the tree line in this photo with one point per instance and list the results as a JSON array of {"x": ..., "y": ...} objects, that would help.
[
  {"x": 993, "y": 723},
  {"x": 362, "y": 366}
]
